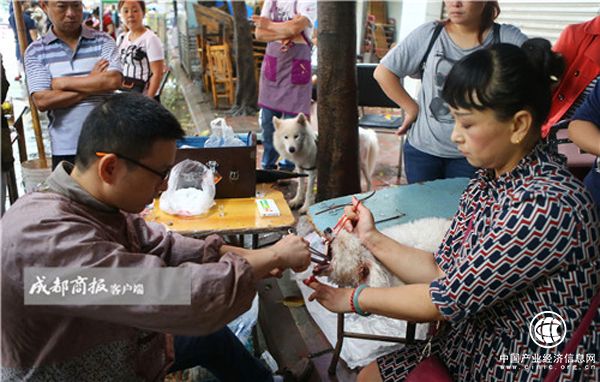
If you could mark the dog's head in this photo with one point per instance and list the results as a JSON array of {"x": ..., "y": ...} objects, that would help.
[
  {"x": 350, "y": 264},
  {"x": 291, "y": 134}
]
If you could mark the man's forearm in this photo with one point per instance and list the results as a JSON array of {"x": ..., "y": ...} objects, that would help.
[
  {"x": 56, "y": 99},
  {"x": 411, "y": 265},
  {"x": 93, "y": 83},
  {"x": 262, "y": 260}
]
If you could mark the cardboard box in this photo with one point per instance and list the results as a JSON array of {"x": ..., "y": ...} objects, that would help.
[{"x": 237, "y": 165}]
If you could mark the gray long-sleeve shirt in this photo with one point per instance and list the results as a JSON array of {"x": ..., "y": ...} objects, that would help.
[{"x": 66, "y": 227}]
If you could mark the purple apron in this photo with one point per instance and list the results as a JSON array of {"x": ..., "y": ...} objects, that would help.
[{"x": 285, "y": 75}]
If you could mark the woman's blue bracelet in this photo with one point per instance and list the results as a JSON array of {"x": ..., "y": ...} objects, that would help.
[{"x": 357, "y": 308}]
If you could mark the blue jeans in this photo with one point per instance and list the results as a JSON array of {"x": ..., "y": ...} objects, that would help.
[
  {"x": 422, "y": 167},
  {"x": 222, "y": 354},
  {"x": 592, "y": 183},
  {"x": 270, "y": 155}
]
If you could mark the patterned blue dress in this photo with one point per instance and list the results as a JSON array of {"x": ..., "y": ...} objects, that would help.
[{"x": 521, "y": 244}]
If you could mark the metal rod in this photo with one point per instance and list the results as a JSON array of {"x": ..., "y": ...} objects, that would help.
[
  {"x": 335, "y": 207},
  {"x": 378, "y": 337},
  {"x": 390, "y": 218},
  {"x": 318, "y": 260},
  {"x": 315, "y": 252}
]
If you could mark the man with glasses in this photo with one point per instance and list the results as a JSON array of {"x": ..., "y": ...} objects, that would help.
[
  {"x": 70, "y": 70},
  {"x": 87, "y": 217}
]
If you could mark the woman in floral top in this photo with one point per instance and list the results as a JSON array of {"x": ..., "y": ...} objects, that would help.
[{"x": 525, "y": 239}]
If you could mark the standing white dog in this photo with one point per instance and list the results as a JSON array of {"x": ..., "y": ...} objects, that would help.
[{"x": 296, "y": 140}]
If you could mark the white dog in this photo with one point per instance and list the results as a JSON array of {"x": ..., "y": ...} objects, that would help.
[
  {"x": 296, "y": 140},
  {"x": 352, "y": 264}
]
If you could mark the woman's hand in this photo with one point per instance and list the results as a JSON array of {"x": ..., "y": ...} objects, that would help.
[
  {"x": 336, "y": 300},
  {"x": 360, "y": 221},
  {"x": 261, "y": 22},
  {"x": 411, "y": 110}
]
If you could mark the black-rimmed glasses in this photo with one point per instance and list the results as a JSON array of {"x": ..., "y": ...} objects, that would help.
[{"x": 164, "y": 175}]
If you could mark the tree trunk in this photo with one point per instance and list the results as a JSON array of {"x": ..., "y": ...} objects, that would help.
[
  {"x": 338, "y": 171},
  {"x": 246, "y": 92}
]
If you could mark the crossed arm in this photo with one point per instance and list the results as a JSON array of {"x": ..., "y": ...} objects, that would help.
[
  {"x": 67, "y": 91},
  {"x": 267, "y": 30}
]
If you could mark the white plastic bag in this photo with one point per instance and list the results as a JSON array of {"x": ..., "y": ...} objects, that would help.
[
  {"x": 191, "y": 190},
  {"x": 222, "y": 135}
]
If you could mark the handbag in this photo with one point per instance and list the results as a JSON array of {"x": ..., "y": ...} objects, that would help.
[
  {"x": 586, "y": 322},
  {"x": 429, "y": 368}
]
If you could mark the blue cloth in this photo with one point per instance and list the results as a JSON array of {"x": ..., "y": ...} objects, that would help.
[
  {"x": 222, "y": 354},
  {"x": 422, "y": 167},
  {"x": 590, "y": 112},
  {"x": 270, "y": 155},
  {"x": 29, "y": 25}
]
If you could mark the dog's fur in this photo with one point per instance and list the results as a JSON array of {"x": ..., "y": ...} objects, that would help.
[
  {"x": 352, "y": 264},
  {"x": 296, "y": 140}
]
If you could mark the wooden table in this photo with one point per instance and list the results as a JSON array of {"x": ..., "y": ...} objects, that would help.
[{"x": 233, "y": 216}]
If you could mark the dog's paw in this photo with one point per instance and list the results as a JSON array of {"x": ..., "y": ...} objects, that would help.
[
  {"x": 295, "y": 203},
  {"x": 304, "y": 209}
]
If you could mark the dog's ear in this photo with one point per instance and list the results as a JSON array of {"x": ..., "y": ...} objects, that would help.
[
  {"x": 276, "y": 122},
  {"x": 301, "y": 119}
]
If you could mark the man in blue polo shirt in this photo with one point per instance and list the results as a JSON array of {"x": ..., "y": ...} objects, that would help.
[
  {"x": 584, "y": 131},
  {"x": 69, "y": 71}
]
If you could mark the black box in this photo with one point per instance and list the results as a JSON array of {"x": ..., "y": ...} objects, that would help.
[{"x": 236, "y": 164}]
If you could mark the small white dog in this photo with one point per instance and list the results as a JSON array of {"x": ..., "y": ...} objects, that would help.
[
  {"x": 352, "y": 264},
  {"x": 296, "y": 140}
]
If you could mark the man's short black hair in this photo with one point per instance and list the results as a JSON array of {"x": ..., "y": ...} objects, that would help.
[{"x": 126, "y": 124}]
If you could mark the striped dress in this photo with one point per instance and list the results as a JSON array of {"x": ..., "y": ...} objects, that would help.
[{"x": 520, "y": 244}]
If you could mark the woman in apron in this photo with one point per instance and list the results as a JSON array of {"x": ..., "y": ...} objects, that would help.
[{"x": 285, "y": 80}]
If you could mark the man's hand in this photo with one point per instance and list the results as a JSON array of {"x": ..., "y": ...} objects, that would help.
[
  {"x": 292, "y": 252},
  {"x": 100, "y": 66}
]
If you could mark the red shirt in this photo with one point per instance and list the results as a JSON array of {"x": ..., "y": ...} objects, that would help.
[
  {"x": 580, "y": 47},
  {"x": 106, "y": 21}
]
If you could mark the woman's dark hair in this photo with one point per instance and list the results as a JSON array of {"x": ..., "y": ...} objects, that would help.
[
  {"x": 506, "y": 79},
  {"x": 491, "y": 11},
  {"x": 126, "y": 124},
  {"x": 142, "y": 4}
]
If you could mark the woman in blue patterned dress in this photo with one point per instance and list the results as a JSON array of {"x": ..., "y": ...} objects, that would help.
[{"x": 525, "y": 239}]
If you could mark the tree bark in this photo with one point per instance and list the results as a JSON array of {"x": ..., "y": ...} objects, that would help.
[
  {"x": 338, "y": 170},
  {"x": 246, "y": 91}
]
